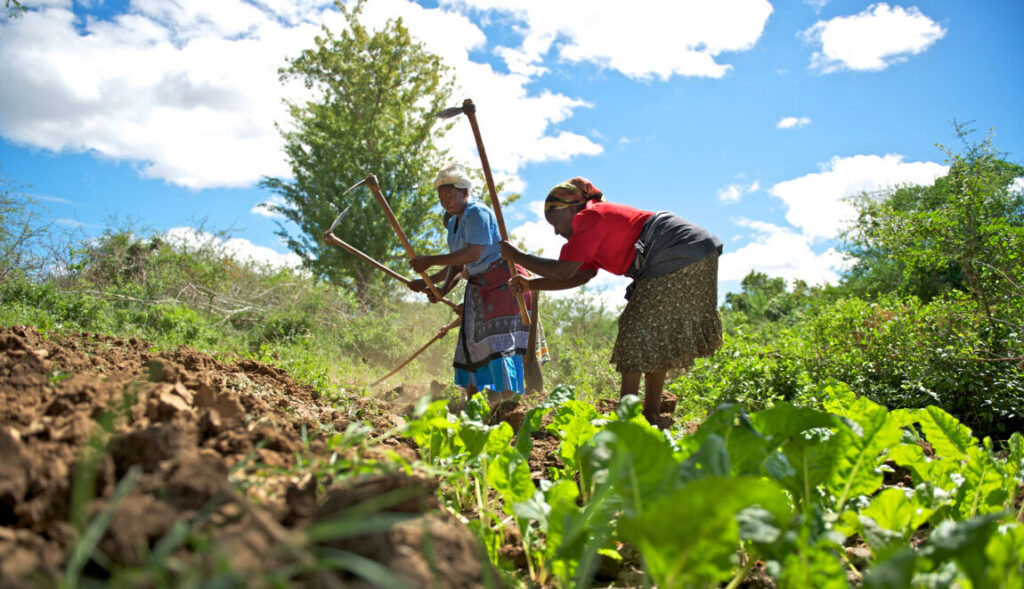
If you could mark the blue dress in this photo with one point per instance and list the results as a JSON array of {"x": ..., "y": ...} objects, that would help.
[{"x": 492, "y": 338}]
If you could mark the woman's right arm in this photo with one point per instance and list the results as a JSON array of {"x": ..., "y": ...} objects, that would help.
[
  {"x": 558, "y": 271},
  {"x": 524, "y": 284}
]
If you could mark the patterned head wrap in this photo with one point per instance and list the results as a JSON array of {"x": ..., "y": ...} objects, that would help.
[
  {"x": 570, "y": 193},
  {"x": 453, "y": 173}
]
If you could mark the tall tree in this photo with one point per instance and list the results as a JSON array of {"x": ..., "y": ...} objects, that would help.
[
  {"x": 21, "y": 232},
  {"x": 965, "y": 232},
  {"x": 376, "y": 95}
]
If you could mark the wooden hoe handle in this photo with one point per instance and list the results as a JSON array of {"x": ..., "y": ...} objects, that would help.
[
  {"x": 333, "y": 239},
  {"x": 440, "y": 334},
  {"x": 470, "y": 109},
  {"x": 371, "y": 181}
]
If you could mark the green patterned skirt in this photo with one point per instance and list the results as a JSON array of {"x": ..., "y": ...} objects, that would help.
[{"x": 670, "y": 320}]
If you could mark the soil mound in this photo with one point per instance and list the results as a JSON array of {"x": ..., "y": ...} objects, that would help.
[{"x": 159, "y": 452}]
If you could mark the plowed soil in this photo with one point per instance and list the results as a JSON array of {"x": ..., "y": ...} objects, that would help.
[{"x": 175, "y": 457}]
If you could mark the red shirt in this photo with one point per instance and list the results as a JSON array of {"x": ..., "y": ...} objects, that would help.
[{"x": 603, "y": 235}]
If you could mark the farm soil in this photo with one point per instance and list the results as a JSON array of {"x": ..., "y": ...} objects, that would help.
[
  {"x": 209, "y": 443},
  {"x": 214, "y": 446}
]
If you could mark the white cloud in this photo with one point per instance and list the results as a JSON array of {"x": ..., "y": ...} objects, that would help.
[
  {"x": 780, "y": 251},
  {"x": 817, "y": 210},
  {"x": 238, "y": 248},
  {"x": 871, "y": 40},
  {"x": 641, "y": 39},
  {"x": 262, "y": 210},
  {"x": 792, "y": 122},
  {"x": 734, "y": 192},
  {"x": 816, "y": 201},
  {"x": 1017, "y": 186},
  {"x": 190, "y": 92},
  {"x": 817, "y": 4},
  {"x": 55, "y": 199}
]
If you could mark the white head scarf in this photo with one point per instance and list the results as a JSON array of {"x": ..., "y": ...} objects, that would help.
[{"x": 453, "y": 173}]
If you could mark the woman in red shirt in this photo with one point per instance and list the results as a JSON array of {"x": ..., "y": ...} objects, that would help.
[{"x": 671, "y": 316}]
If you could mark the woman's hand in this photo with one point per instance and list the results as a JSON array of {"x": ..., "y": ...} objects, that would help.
[
  {"x": 519, "y": 284},
  {"x": 418, "y": 285},
  {"x": 510, "y": 252},
  {"x": 434, "y": 298},
  {"x": 421, "y": 263}
]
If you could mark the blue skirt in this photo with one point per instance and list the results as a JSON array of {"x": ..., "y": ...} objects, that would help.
[{"x": 500, "y": 374}]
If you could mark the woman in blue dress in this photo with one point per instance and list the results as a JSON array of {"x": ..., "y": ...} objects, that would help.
[{"x": 492, "y": 338}]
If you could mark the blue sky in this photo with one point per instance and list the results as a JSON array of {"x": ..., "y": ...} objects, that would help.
[{"x": 752, "y": 118}]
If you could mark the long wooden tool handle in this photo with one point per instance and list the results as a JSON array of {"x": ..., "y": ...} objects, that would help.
[
  {"x": 439, "y": 335},
  {"x": 470, "y": 111},
  {"x": 334, "y": 240},
  {"x": 371, "y": 181}
]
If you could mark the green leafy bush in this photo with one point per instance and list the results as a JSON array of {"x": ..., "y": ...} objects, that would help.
[{"x": 899, "y": 352}]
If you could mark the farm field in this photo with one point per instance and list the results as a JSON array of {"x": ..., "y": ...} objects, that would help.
[
  {"x": 225, "y": 228},
  {"x": 132, "y": 466}
]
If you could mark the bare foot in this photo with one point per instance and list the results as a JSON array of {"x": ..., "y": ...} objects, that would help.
[{"x": 663, "y": 421}]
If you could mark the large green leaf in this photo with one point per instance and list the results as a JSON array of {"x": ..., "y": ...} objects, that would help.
[
  {"x": 860, "y": 443},
  {"x": 945, "y": 433},
  {"x": 804, "y": 463},
  {"x": 940, "y": 473},
  {"x": 1005, "y": 555},
  {"x": 633, "y": 460},
  {"x": 432, "y": 430},
  {"x": 964, "y": 542},
  {"x": 1014, "y": 468},
  {"x": 509, "y": 474},
  {"x": 473, "y": 436},
  {"x": 894, "y": 572},
  {"x": 911, "y": 457},
  {"x": 573, "y": 424},
  {"x": 984, "y": 488},
  {"x": 813, "y": 567},
  {"x": 805, "y": 451},
  {"x": 746, "y": 446},
  {"x": 837, "y": 398},
  {"x": 712, "y": 458},
  {"x": 533, "y": 417},
  {"x": 689, "y": 536},
  {"x": 571, "y": 533},
  {"x": 1015, "y": 460},
  {"x": 785, "y": 421},
  {"x": 895, "y": 510},
  {"x": 499, "y": 439}
]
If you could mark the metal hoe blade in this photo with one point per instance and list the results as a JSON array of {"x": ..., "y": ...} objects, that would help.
[
  {"x": 450, "y": 112},
  {"x": 354, "y": 186},
  {"x": 337, "y": 219}
]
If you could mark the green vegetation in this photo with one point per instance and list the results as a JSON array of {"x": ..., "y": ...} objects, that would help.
[
  {"x": 14, "y": 8},
  {"x": 913, "y": 363},
  {"x": 930, "y": 313},
  {"x": 789, "y": 486},
  {"x": 144, "y": 287},
  {"x": 22, "y": 232}
]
